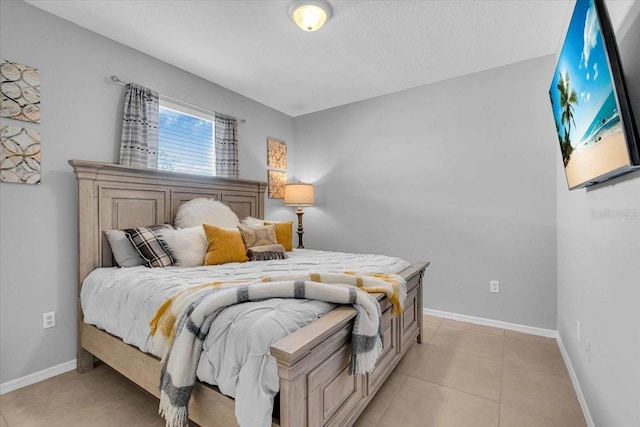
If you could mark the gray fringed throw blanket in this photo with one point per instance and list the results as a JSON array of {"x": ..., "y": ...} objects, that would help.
[
  {"x": 181, "y": 324},
  {"x": 266, "y": 253}
]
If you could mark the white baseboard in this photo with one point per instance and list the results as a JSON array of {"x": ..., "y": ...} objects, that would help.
[
  {"x": 37, "y": 376},
  {"x": 576, "y": 383},
  {"x": 549, "y": 333}
]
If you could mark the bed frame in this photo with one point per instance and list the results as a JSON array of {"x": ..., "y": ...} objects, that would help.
[{"x": 315, "y": 388}]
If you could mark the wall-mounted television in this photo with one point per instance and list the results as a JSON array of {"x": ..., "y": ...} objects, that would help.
[{"x": 596, "y": 129}]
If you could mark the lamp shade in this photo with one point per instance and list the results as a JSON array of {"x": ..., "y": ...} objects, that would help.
[
  {"x": 299, "y": 194},
  {"x": 310, "y": 15}
]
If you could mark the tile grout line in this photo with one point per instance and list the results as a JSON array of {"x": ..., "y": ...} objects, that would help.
[
  {"x": 554, "y": 343},
  {"x": 502, "y": 364},
  {"x": 504, "y": 337},
  {"x": 539, "y": 370},
  {"x": 461, "y": 328},
  {"x": 453, "y": 388},
  {"x": 545, "y": 415},
  {"x": 537, "y": 414},
  {"x": 530, "y": 370},
  {"x": 388, "y": 407},
  {"x": 467, "y": 354},
  {"x": 424, "y": 343},
  {"x": 502, "y": 367},
  {"x": 567, "y": 377}
]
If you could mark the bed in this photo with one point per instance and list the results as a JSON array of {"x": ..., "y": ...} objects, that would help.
[{"x": 315, "y": 388}]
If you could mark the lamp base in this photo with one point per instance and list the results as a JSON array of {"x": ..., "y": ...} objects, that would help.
[{"x": 299, "y": 212}]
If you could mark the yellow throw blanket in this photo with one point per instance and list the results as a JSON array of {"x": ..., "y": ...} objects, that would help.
[
  {"x": 181, "y": 324},
  {"x": 164, "y": 322}
]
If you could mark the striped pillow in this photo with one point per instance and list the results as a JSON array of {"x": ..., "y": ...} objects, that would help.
[{"x": 150, "y": 247}]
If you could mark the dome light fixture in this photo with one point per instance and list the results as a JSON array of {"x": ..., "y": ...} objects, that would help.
[{"x": 310, "y": 15}]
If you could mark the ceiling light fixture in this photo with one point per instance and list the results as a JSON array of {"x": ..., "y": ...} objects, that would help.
[{"x": 310, "y": 15}]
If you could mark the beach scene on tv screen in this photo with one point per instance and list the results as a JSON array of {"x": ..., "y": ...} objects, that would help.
[{"x": 590, "y": 132}]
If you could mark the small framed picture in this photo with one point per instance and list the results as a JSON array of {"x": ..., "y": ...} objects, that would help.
[
  {"x": 20, "y": 155},
  {"x": 20, "y": 90},
  {"x": 277, "y": 181},
  {"x": 276, "y": 154}
]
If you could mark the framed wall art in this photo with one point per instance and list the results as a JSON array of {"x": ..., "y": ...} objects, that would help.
[
  {"x": 20, "y": 156},
  {"x": 276, "y": 154},
  {"x": 20, "y": 90},
  {"x": 277, "y": 181}
]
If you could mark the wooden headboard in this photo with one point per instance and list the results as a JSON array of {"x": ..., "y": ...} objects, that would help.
[{"x": 113, "y": 197}]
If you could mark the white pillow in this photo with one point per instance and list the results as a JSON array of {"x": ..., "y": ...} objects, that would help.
[
  {"x": 205, "y": 211},
  {"x": 252, "y": 222},
  {"x": 123, "y": 251},
  {"x": 187, "y": 245}
]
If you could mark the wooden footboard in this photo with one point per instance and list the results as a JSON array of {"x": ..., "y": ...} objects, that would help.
[{"x": 313, "y": 362}]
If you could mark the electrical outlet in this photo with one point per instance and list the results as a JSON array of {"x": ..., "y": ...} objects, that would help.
[
  {"x": 49, "y": 320},
  {"x": 494, "y": 286},
  {"x": 578, "y": 330}
]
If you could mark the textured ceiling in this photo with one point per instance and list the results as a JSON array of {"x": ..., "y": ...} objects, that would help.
[{"x": 368, "y": 48}]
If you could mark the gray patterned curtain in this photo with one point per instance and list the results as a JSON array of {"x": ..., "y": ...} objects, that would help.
[
  {"x": 226, "y": 138},
  {"x": 139, "y": 146}
]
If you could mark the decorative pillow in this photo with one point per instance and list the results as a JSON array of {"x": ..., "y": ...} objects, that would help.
[
  {"x": 258, "y": 236},
  {"x": 187, "y": 245},
  {"x": 284, "y": 233},
  {"x": 123, "y": 251},
  {"x": 150, "y": 246},
  {"x": 205, "y": 211},
  {"x": 223, "y": 246},
  {"x": 252, "y": 222},
  {"x": 266, "y": 253}
]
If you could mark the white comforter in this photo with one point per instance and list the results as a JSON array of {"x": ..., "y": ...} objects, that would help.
[{"x": 236, "y": 356}]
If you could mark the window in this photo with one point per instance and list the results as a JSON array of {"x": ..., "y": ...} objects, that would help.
[{"x": 186, "y": 139}]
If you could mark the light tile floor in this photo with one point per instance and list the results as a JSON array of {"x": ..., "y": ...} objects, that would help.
[
  {"x": 462, "y": 375},
  {"x": 470, "y": 375}
]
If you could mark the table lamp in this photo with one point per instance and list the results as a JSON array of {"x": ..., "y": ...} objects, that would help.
[{"x": 300, "y": 195}]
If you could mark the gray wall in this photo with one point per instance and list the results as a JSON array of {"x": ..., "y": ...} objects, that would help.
[
  {"x": 461, "y": 173},
  {"x": 81, "y": 115},
  {"x": 599, "y": 274}
]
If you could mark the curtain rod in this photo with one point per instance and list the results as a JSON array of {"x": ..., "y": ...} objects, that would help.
[{"x": 115, "y": 79}]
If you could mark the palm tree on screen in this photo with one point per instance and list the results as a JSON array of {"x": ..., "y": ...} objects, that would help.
[{"x": 568, "y": 100}]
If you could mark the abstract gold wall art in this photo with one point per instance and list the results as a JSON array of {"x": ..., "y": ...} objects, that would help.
[
  {"x": 276, "y": 154},
  {"x": 20, "y": 89},
  {"x": 20, "y": 157},
  {"x": 277, "y": 181}
]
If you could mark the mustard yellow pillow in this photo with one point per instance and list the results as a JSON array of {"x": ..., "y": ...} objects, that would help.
[
  {"x": 223, "y": 246},
  {"x": 284, "y": 233},
  {"x": 258, "y": 236}
]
